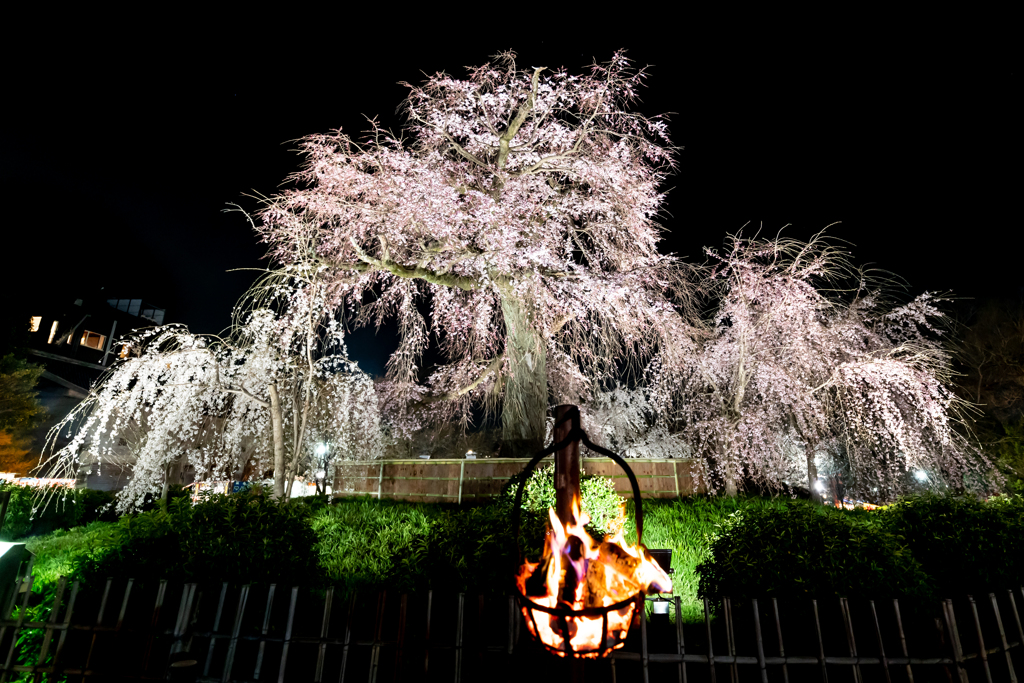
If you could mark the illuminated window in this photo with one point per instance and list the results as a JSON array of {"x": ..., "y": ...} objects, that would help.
[
  {"x": 53, "y": 331},
  {"x": 93, "y": 340},
  {"x": 124, "y": 350},
  {"x": 33, "y": 323}
]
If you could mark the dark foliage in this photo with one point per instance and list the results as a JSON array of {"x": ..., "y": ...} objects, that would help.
[
  {"x": 68, "y": 508},
  {"x": 798, "y": 550},
  {"x": 366, "y": 543},
  {"x": 966, "y": 545},
  {"x": 241, "y": 538}
]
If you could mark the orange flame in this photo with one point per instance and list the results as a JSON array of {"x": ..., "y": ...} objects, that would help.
[{"x": 594, "y": 574}]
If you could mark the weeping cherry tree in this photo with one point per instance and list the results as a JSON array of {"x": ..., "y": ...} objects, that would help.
[
  {"x": 792, "y": 362},
  {"x": 260, "y": 400},
  {"x": 513, "y": 226}
]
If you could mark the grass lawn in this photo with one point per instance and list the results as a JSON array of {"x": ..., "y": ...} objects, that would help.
[{"x": 682, "y": 525}]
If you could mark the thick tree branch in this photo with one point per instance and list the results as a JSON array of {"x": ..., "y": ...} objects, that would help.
[
  {"x": 416, "y": 273},
  {"x": 520, "y": 117},
  {"x": 244, "y": 391}
]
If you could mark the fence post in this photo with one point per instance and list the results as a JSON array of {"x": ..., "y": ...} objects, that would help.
[
  {"x": 954, "y": 638},
  {"x": 265, "y": 630},
  {"x": 675, "y": 477},
  {"x": 730, "y": 639},
  {"x": 982, "y": 652},
  {"x": 380, "y": 479},
  {"x": 229, "y": 659},
  {"x": 216, "y": 627},
  {"x": 462, "y": 474},
  {"x": 643, "y": 641},
  {"x": 850, "y": 640},
  {"x": 50, "y": 622},
  {"x": 778, "y": 632},
  {"x": 760, "y": 644},
  {"x": 821, "y": 643},
  {"x": 288, "y": 633},
  {"x": 1002, "y": 637},
  {"x": 67, "y": 626},
  {"x": 680, "y": 640},
  {"x": 711, "y": 649},
  {"x": 903, "y": 637},
  {"x": 324, "y": 625},
  {"x": 881, "y": 645},
  {"x": 458, "y": 638}
]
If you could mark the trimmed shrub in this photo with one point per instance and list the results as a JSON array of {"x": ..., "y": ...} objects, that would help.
[
  {"x": 800, "y": 550},
  {"x": 966, "y": 545},
  {"x": 598, "y": 499},
  {"x": 66, "y": 509},
  {"x": 472, "y": 550},
  {"x": 366, "y": 543},
  {"x": 241, "y": 538}
]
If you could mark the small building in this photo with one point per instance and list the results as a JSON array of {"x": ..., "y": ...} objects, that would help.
[{"x": 75, "y": 338}]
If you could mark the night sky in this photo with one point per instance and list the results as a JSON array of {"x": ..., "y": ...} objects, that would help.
[{"x": 120, "y": 149}]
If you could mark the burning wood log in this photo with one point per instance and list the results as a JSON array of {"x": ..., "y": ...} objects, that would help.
[{"x": 578, "y": 572}]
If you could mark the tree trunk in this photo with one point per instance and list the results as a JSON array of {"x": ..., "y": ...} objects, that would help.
[
  {"x": 277, "y": 423},
  {"x": 165, "y": 491},
  {"x": 731, "y": 481},
  {"x": 526, "y": 388},
  {"x": 730, "y": 467},
  {"x": 812, "y": 475}
]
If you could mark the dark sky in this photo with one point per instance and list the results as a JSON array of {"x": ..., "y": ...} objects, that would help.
[{"x": 121, "y": 148}]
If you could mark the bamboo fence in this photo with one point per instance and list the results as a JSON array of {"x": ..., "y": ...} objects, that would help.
[
  {"x": 465, "y": 480},
  {"x": 150, "y": 631}
]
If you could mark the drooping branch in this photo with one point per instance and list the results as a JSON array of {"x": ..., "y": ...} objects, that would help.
[{"x": 492, "y": 367}]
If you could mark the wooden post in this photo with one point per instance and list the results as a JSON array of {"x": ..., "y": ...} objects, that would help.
[
  {"x": 462, "y": 475},
  {"x": 567, "y": 489},
  {"x": 567, "y": 462}
]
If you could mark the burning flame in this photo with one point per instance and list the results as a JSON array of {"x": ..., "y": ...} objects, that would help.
[{"x": 580, "y": 572}]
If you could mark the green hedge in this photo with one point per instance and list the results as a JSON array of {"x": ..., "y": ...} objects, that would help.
[
  {"x": 800, "y": 550},
  {"x": 967, "y": 546},
  {"x": 598, "y": 500},
  {"x": 363, "y": 543},
  {"x": 918, "y": 549},
  {"x": 240, "y": 538},
  {"x": 921, "y": 548},
  {"x": 68, "y": 508}
]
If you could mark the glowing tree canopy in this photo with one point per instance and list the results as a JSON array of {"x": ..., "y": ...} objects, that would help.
[
  {"x": 513, "y": 227},
  {"x": 793, "y": 365}
]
